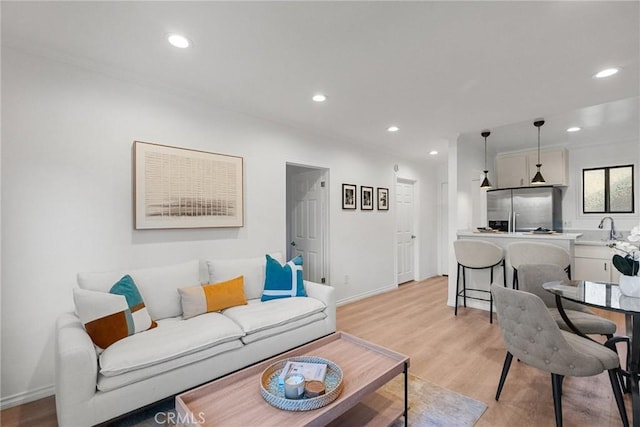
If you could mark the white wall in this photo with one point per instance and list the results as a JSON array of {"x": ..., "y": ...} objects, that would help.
[
  {"x": 466, "y": 200},
  {"x": 67, "y": 198},
  {"x": 610, "y": 153}
]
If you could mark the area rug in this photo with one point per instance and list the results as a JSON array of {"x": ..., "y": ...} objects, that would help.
[
  {"x": 429, "y": 406},
  {"x": 433, "y": 406}
]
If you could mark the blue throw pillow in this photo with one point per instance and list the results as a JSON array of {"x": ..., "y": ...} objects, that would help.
[{"x": 283, "y": 281}]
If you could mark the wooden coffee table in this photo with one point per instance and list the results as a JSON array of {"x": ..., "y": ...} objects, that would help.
[{"x": 235, "y": 400}]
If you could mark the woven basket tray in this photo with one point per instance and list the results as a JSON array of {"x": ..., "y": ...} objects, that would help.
[{"x": 274, "y": 393}]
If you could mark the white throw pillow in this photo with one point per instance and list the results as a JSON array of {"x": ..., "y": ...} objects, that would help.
[
  {"x": 158, "y": 285},
  {"x": 251, "y": 268}
]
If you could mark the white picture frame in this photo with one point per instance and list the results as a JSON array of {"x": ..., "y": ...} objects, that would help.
[{"x": 183, "y": 188}]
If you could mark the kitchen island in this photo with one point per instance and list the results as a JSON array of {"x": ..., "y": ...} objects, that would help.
[
  {"x": 480, "y": 278},
  {"x": 564, "y": 240}
]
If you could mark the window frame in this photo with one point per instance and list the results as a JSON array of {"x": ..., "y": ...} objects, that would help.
[{"x": 607, "y": 193}]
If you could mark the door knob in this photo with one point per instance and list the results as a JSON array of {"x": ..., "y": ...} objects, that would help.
[
  {"x": 292, "y": 243},
  {"x": 413, "y": 237}
]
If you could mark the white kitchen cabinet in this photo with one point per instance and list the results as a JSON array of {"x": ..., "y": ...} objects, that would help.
[
  {"x": 518, "y": 169},
  {"x": 512, "y": 171},
  {"x": 593, "y": 263},
  {"x": 554, "y": 168}
]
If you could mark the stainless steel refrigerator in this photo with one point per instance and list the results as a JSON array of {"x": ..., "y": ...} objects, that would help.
[{"x": 525, "y": 208}]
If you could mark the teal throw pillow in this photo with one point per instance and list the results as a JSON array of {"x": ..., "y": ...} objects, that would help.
[
  {"x": 283, "y": 281},
  {"x": 139, "y": 313}
]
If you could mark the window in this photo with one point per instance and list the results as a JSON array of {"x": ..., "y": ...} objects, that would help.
[{"x": 608, "y": 190}]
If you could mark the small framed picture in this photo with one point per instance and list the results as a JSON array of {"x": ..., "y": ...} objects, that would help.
[
  {"x": 366, "y": 198},
  {"x": 383, "y": 199},
  {"x": 348, "y": 196}
]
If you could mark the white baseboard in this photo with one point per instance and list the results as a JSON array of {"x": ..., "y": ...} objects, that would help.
[
  {"x": 27, "y": 396},
  {"x": 366, "y": 295},
  {"x": 376, "y": 292}
]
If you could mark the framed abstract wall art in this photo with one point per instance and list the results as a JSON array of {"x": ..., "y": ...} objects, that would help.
[
  {"x": 348, "y": 196},
  {"x": 383, "y": 199},
  {"x": 183, "y": 188},
  {"x": 366, "y": 198}
]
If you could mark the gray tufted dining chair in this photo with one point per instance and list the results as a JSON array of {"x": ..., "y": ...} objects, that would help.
[
  {"x": 522, "y": 253},
  {"x": 533, "y": 336},
  {"x": 531, "y": 277}
]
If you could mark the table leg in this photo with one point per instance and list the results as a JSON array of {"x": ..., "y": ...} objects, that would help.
[
  {"x": 635, "y": 400},
  {"x": 634, "y": 370},
  {"x": 406, "y": 394}
]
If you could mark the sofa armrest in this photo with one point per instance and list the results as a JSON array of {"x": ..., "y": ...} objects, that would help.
[
  {"x": 76, "y": 368},
  {"x": 326, "y": 294}
]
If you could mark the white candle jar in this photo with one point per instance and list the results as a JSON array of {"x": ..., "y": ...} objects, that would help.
[{"x": 294, "y": 386}]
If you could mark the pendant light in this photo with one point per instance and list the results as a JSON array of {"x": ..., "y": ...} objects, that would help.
[
  {"x": 538, "y": 179},
  {"x": 485, "y": 181}
]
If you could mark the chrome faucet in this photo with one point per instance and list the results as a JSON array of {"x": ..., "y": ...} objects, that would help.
[{"x": 613, "y": 234}]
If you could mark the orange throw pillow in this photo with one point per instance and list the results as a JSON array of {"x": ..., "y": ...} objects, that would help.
[{"x": 212, "y": 297}]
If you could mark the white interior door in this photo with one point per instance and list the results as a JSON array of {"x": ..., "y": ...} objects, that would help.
[
  {"x": 405, "y": 235},
  {"x": 306, "y": 226}
]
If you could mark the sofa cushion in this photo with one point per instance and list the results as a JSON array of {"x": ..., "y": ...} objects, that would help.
[
  {"x": 172, "y": 339},
  {"x": 212, "y": 297},
  {"x": 283, "y": 281},
  {"x": 111, "y": 383},
  {"x": 261, "y": 315},
  {"x": 158, "y": 285},
  {"x": 252, "y": 269},
  {"x": 277, "y": 330},
  {"x": 111, "y": 316}
]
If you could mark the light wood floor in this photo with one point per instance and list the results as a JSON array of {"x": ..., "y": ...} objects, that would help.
[
  {"x": 466, "y": 353},
  {"x": 463, "y": 353}
]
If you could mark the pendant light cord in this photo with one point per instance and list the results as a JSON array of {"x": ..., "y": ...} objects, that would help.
[
  {"x": 538, "y": 145},
  {"x": 485, "y": 153}
]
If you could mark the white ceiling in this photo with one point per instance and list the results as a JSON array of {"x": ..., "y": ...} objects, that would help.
[{"x": 435, "y": 69}]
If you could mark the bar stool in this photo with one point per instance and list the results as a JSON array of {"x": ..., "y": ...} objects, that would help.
[
  {"x": 520, "y": 253},
  {"x": 477, "y": 255}
]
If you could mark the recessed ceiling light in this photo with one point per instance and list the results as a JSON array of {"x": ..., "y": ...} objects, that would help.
[
  {"x": 573, "y": 129},
  {"x": 606, "y": 73},
  {"x": 393, "y": 128},
  {"x": 319, "y": 97},
  {"x": 433, "y": 152},
  {"x": 178, "y": 41}
]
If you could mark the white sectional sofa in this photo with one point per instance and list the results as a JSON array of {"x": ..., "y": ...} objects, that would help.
[{"x": 178, "y": 354}]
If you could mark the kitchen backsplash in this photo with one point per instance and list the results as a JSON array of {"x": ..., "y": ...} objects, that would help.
[{"x": 597, "y": 234}]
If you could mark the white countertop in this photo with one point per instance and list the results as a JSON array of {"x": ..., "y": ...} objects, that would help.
[
  {"x": 592, "y": 242},
  {"x": 522, "y": 235}
]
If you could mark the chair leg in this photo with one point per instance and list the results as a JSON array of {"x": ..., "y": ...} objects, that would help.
[
  {"x": 490, "y": 307},
  {"x": 455, "y": 312},
  {"x": 464, "y": 287},
  {"x": 504, "y": 274},
  {"x": 617, "y": 392},
  {"x": 514, "y": 283},
  {"x": 491, "y": 298},
  {"x": 503, "y": 375},
  {"x": 556, "y": 385},
  {"x": 611, "y": 343}
]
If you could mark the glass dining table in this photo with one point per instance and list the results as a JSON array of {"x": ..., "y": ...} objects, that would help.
[{"x": 607, "y": 296}]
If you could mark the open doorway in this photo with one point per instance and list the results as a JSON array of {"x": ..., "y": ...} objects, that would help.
[{"x": 308, "y": 219}]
